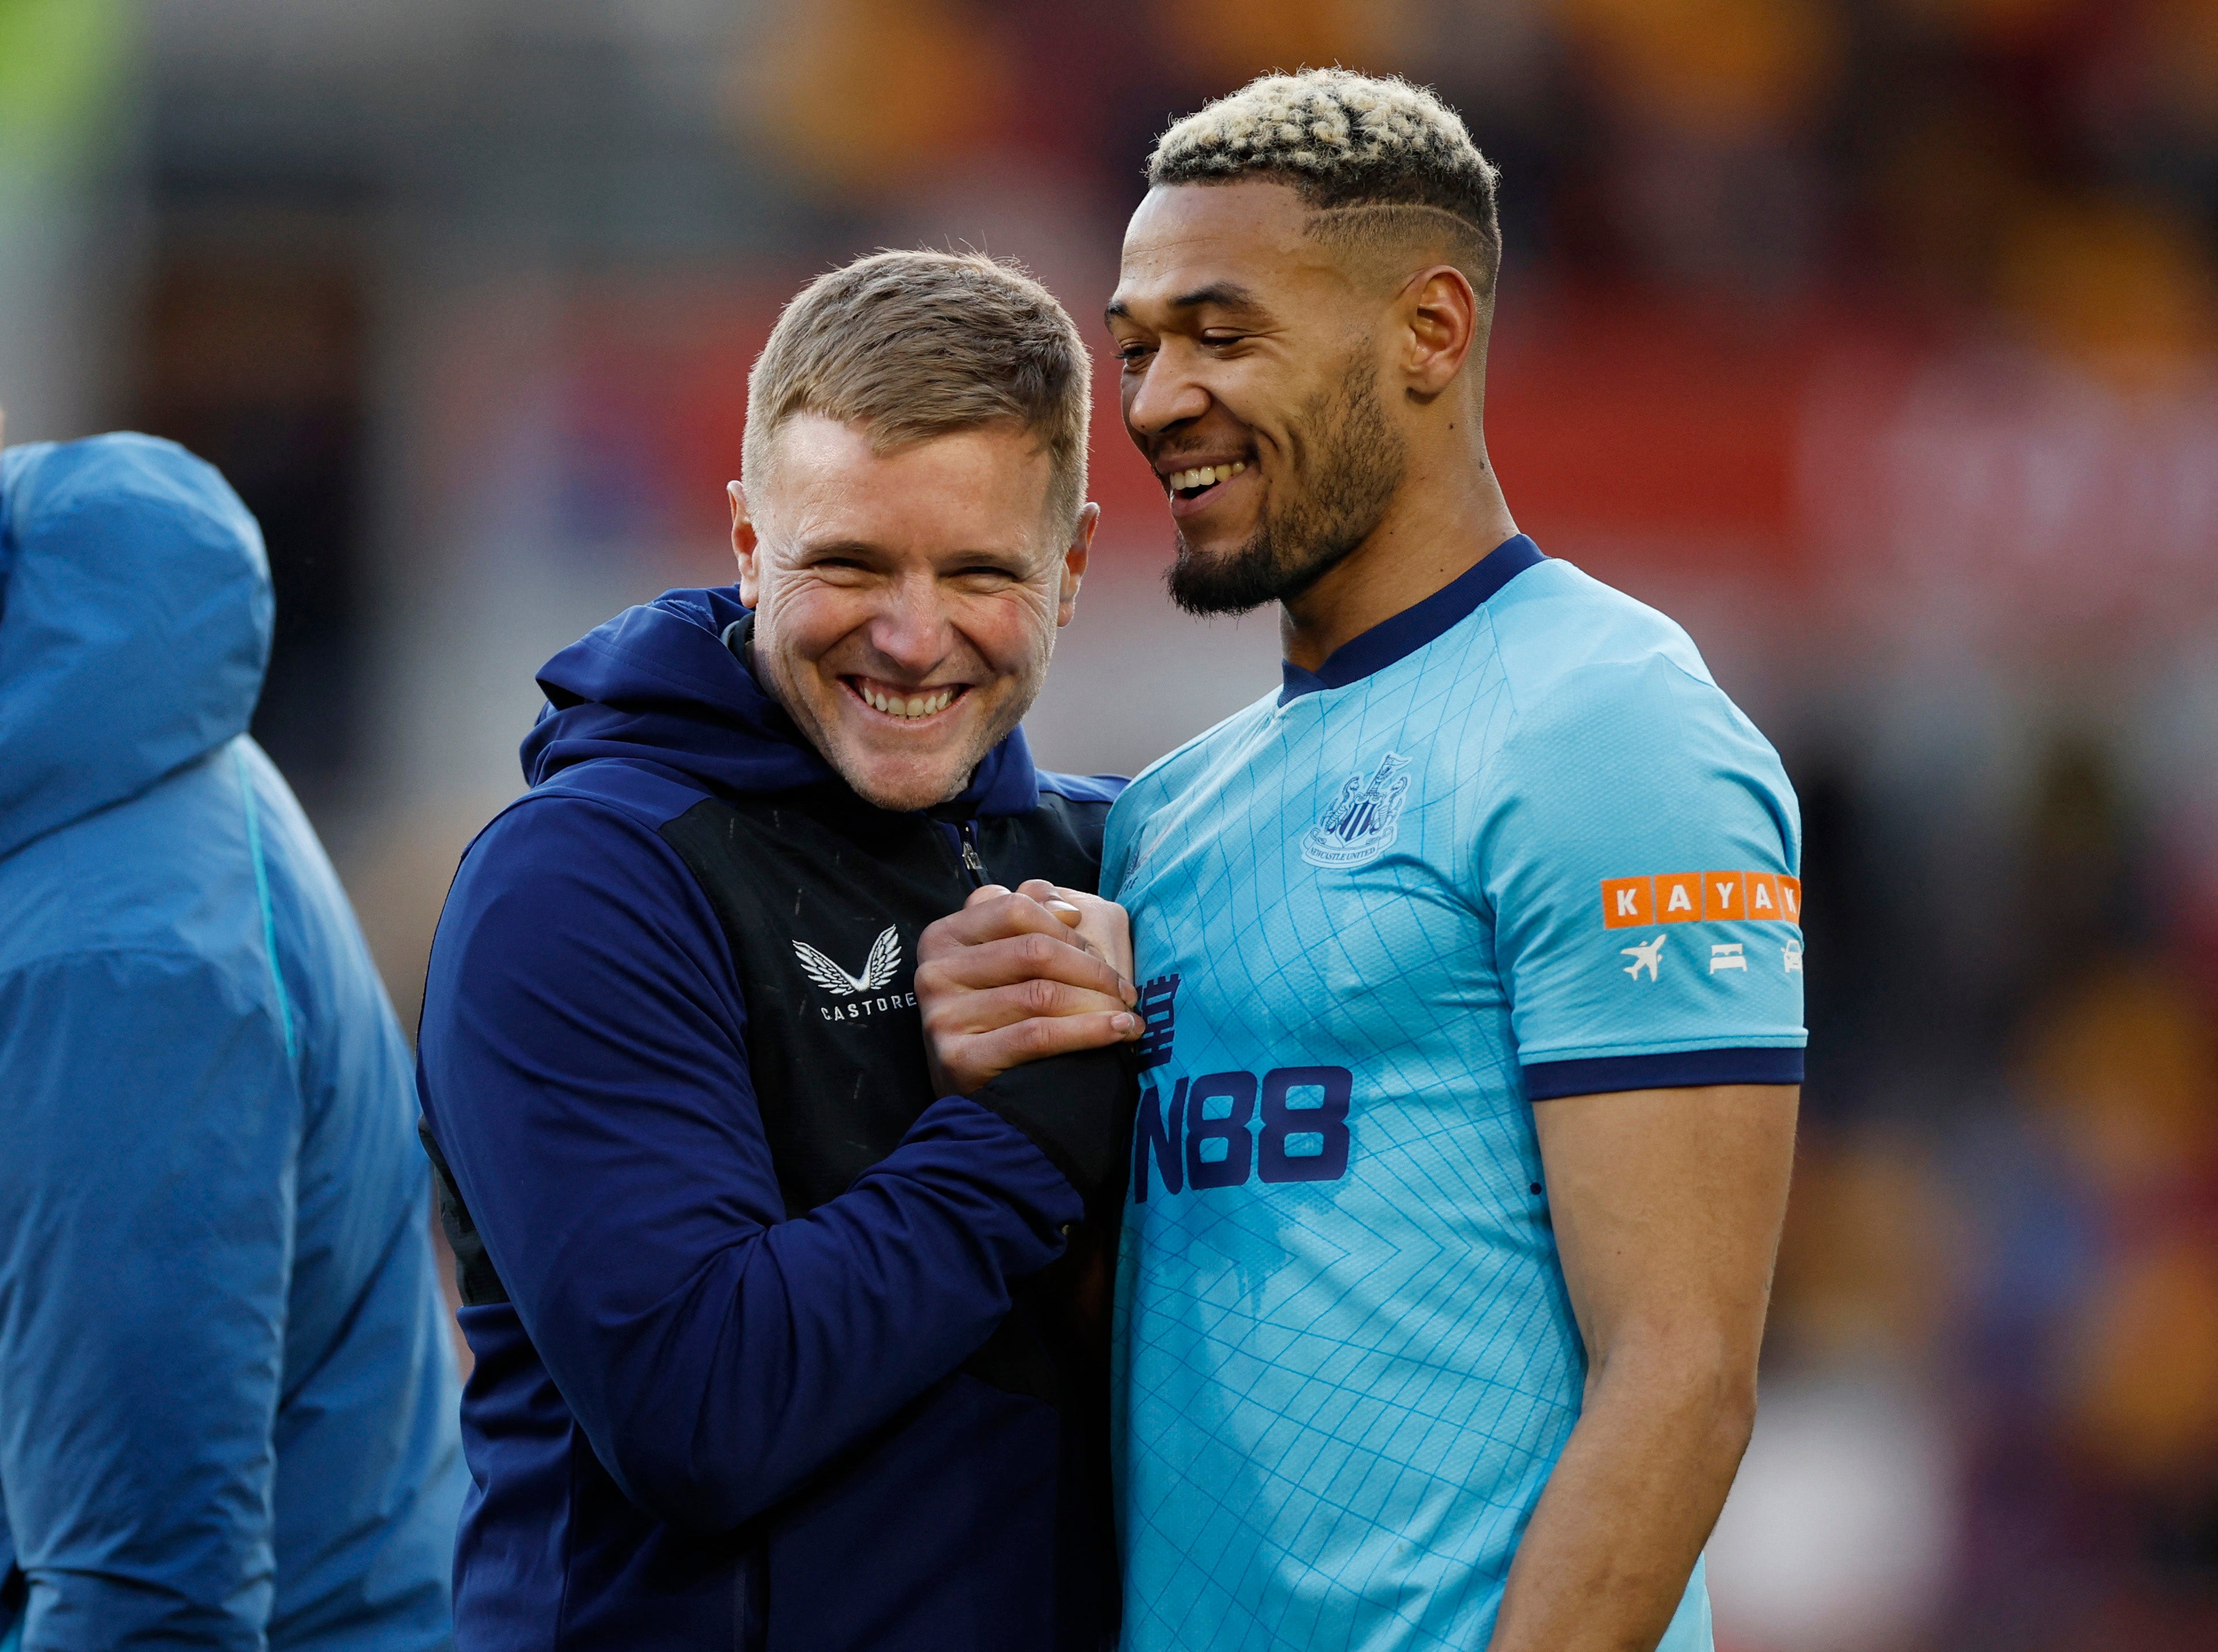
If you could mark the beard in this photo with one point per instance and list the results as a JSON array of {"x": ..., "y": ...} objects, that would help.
[{"x": 1332, "y": 499}]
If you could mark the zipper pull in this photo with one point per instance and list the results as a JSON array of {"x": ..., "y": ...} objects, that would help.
[{"x": 971, "y": 863}]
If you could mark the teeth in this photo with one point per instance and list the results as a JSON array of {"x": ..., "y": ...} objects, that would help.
[
  {"x": 1205, "y": 475},
  {"x": 914, "y": 705}
]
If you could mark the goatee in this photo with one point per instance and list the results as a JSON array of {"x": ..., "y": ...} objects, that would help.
[{"x": 1328, "y": 504}]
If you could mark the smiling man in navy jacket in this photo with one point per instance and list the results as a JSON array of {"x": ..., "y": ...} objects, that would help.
[{"x": 778, "y": 1345}]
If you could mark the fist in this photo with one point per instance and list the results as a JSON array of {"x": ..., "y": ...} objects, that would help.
[{"x": 1018, "y": 975}]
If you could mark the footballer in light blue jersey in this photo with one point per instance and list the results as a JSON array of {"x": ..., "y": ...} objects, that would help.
[
  {"x": 1376, "y": 916},
  {"x": 1468, "y": 964}
]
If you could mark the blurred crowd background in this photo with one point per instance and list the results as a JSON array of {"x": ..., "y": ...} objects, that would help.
[{"x": 1876, "y": 340}]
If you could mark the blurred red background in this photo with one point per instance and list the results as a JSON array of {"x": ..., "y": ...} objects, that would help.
[{"x": 1877, "y": 340}]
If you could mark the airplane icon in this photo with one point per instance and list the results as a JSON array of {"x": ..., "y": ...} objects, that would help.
[{"x": 1645, "y": 956}]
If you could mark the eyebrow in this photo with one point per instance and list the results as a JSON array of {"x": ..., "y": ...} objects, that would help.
[
  {"x": 1012, "y": 556},
  {"x": 1224, "y": 295}
]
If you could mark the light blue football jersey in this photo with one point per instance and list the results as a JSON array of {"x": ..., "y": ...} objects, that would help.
[{"x": 1501, "y": 849}]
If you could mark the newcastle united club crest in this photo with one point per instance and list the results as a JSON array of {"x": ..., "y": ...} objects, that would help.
[{"x": 1361, "y": 824}]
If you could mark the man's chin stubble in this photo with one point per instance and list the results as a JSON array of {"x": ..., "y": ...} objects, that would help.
[
  {"x": 1360, "y": 465},
  {"x": 897, "y": 797},
  {"x": 815, "y": 724},
  {"x": 818, "y": 732},
  {"x": 1245, "y": 580},
  {"x": 908, "y": 799}
]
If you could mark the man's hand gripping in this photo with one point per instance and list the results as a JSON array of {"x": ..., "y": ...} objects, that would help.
[{"x": 1017, "y": 975}]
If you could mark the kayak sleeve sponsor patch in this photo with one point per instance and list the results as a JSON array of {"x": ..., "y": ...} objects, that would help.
[{"x": 1699, "y": 897}]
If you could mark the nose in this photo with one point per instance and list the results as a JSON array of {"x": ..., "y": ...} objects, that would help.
[
  {"x": 1166, "y": 393},
  {"x": 912, "y": 629}
]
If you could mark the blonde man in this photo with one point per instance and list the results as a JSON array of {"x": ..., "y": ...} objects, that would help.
[{"x": 779, "y": 1345}]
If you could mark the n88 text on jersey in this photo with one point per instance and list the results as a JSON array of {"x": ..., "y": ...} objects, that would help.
[{"x": 1288, "y": 1124}]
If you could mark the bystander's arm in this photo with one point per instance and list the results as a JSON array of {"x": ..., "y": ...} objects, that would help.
[{"x": 146, "y": 1193}]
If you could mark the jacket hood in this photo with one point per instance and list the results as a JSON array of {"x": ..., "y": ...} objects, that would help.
[
  {"x": 657, "y": 685},
  {"x": 135, "y": 617}
]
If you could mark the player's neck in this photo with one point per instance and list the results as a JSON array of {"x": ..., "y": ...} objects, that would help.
[{"x": 1444, "y": 518}]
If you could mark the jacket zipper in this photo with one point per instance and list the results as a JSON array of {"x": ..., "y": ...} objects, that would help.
[{"x": 972, "y": 864}]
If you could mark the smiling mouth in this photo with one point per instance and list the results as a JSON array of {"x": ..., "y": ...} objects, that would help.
[
  {"x": 1192, "y": 483},
  {"x": 908, "y": 705}
]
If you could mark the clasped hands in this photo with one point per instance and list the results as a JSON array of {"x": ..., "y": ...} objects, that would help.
[{"x": 1018, "y": 975}]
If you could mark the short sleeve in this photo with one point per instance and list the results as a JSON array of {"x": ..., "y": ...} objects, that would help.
[{"x": 1641, "y": 856}]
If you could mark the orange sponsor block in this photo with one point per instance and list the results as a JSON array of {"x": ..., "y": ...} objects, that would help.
[
  {"x": 1762, "y": 896},
  {"x": 1724, "y": 894},
  {"x": 1790, "y": 899},
  {"x": 1678, "y": 897},
  {"x": 1626, "y": 901}
]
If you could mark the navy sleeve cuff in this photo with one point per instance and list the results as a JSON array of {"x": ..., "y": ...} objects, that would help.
[
  {"x": 1678, "y": 1069},
  {"x": 1077, "y": 1109}
]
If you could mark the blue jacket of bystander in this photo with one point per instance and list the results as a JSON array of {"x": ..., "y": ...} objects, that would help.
[{"x": 226, "y": 1391}]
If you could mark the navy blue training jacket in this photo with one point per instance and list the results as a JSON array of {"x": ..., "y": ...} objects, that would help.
[{"x": 708, "y": 1409}]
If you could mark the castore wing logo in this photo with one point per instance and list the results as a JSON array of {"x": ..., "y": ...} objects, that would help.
[
  {"x": 1363, "y": 820},
  {"x": 879, "y": 970}
]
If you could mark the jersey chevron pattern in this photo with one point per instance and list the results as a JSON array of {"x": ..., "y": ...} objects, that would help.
[{"x": 1377, "y": 916}]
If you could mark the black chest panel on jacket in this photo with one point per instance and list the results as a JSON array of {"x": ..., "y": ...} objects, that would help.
[{"x": 822, "y": 898}]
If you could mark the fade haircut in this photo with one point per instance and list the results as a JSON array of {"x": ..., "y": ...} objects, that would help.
[
  {"x": 908, "y": 346},
  {"x": 1381, "y": 164}
]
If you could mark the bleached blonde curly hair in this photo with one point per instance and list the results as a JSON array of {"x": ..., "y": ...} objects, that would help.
[{"x": 1373, "y": 157}]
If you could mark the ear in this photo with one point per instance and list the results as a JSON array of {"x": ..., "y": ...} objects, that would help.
[
  {"x": 746, "y": 545},
  {"x": 1443, "y": 321},
  {"x": 1074, "y": 559}
]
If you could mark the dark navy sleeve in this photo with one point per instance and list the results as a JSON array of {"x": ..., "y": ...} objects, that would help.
[{"x": 583, "y": 1071}]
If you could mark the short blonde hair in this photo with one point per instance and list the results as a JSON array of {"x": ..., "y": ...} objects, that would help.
[
  {"x": 913, "y": 345},
  {"x": 1363, "y": 151}
]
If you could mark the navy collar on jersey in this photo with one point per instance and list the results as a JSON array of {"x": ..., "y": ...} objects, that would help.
[{"x": 1416, "y": 625}]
